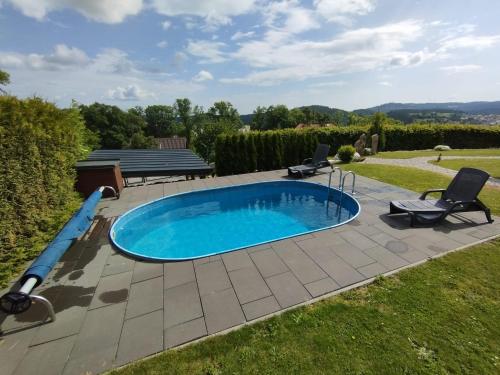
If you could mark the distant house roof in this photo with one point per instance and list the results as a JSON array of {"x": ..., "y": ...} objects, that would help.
[{"x": 173, "y": 143}]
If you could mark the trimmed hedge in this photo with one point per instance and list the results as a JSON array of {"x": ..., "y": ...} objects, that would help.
[
  {"x": 39, "y": 145},
  {"x": 274, "y": 149}
]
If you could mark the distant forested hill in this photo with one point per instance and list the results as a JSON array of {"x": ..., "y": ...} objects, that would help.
[
  {"x": 339, "y": 114},
  {"x": 485, "y": 108}
]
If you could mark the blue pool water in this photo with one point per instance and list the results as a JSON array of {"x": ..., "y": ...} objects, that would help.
[{"x": 207, "y": 222}]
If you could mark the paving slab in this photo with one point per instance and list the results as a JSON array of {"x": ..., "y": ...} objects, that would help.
[
  {"x": 111, "y": 290},
  {"x": 222, "y": 310},
  {"x": 372, "y": 270},
  {"x": 248, "y": 284},
  {"x": 117, "y": 263},
  {"x": 323, "y": 286},
  {"x": 212, "y": 277},
  {"x": 235, "y": 260},
  {"x": 287, "y": 289},
  {"x": 145, "y": 296},
  {"x": 185, "y": 332},
  {"x": 145, "y": 270},
  {"x": 261, "y": 307},
  {"x": 178, "y": 273},
  {"x": 303, "y": 267},
  {"x": 182, "y": 304},
  {"x": 101, "y": 330},
  {"x": 385, "y": 257},
  {"x": 49, "y": 358},
  {"x": 141, "y": 336},
  {"x": 268, "y": 262}
]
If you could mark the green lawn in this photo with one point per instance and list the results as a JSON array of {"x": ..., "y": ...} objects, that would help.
[
  {"x": 417, "y": 153},
  {"x": 492, "y": 166},
  {"x": 418, "y": 180},
  {"x": 440, "y": 318}
]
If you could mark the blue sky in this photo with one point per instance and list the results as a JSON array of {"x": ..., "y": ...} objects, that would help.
[{"x": 341, "y": 53}]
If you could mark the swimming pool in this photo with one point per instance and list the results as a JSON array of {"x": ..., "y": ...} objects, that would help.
[{"x": 207, "y": 222}]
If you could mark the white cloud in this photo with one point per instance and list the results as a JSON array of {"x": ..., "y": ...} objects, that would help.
[
  {"x": 203, "y": 75},
  {"x": 162, "y": 44},
  {"x": 286, "y": 58},
  {"x": 385, "y": 83},
  {"x": 457, "y": 69},
  {"x": 329, "y": 84},
  {"x": 131, "y": 92},
  {"x": 284, "y": 17},
  {"x": 341, "y": 11},
  {"x": 63, "y": 57},
  {"x": 166, "y": 25},
  {"x": 241, "y": 35},
  {"x": 208, "y": 51},
  {"x": 109, "y": 11},
  {"x": 214, "y": 12},
  {"x": 470, "y": 42}
]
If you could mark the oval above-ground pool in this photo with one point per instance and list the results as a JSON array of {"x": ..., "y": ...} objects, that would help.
[{"x": 213, "y": 221}]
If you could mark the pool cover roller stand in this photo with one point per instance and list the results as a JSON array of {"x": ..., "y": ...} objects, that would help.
[{"x": 20, "y": 301}]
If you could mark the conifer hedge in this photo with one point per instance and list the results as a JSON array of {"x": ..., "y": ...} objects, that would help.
[
  {"x": 39, "y": 145},
  {"x": 274, "y": 149}
]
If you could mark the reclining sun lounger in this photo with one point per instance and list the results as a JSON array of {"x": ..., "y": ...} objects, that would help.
[
  {"x": 310, "y": 165},
  {"x": 459, "y": 196}
]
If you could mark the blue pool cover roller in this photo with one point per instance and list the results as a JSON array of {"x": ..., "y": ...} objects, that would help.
[{"x": 74, "y": 228}]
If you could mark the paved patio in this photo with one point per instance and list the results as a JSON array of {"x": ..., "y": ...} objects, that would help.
[{"x": 112, "y": 309}]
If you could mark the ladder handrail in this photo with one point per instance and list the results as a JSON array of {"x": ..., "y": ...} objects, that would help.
[{"x": 353, "y": 181}]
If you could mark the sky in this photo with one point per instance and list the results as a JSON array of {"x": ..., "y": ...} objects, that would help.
[{"x": 346, "y": 54}]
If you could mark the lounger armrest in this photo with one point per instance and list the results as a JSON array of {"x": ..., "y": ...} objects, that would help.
[
  {"x": 307, "y": 161},
  {"x": 424, "y": 194}
]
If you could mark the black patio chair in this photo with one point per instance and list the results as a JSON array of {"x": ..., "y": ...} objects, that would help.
[
  {"x": 311, "y": 165},
  {"x": 459, "y": 196}
]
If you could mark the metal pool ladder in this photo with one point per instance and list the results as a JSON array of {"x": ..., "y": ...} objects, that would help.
[{"x": 342, "y": 178}]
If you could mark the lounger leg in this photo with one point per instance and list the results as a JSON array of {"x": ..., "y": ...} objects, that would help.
[{"x": 486, "y": 210}]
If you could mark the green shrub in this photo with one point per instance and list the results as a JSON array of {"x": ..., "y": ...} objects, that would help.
[
  {"x": 346, "y": 153},
  {"x": 39, "y": 145},
  {"x": 276, "y": 149}
]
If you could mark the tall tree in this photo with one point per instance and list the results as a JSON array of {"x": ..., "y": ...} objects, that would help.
[
  {"x": 259, "y": 118},
  {"x": 224, "y": 111},
  {"x": 184, "y": 111},
  {"x": 4, "y": 79},
  {"x": 160, "y": 120}
]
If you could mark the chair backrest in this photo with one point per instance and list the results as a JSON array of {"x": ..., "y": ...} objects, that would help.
[
  {"x": 321, "y": 153},
  {"x": 466, "y": 184}
]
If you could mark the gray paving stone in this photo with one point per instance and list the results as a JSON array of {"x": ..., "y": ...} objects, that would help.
[
  {"x": 257, "y": 248},
  {"x": 178, "y": 273},
  {"x": 382, "y": 238},
  {"x": 93, "y": 363},
  {"x": 357, "y": 239},
  {"x": 249, "y": 284},
  {"x": 145, "y": 270},
  {"x": 13, "y": 348},
  {"x": 117, "y": 263},
  {"x": 100, "y": 331},
  {"x": 141, "y": 336},
  {"x": 112, "y": 289},
  {"x": 185, "y": 332},
  {"x": 386, "y": 258},
  {"x": 320, "y": 287},
  {"x": 222, "y": 310},
  {"x": 48, "y": 358},
  {"x": 287, "y": 289},
  {"x": 352, "y": 255},
  {"x": 181, "y": 304},
  {"x": 268, "y": 262},
  {"x": 212, "y": 277},
  {"x": 236, "y": 260},
  {"x": 413, "y": 256},
  {"x": 299, "y": 263},
  {"x": 339, "y": 270},
  {"x": 261, "y": 307},
  {"x": 145, "y": 296},
  {"x": 372, "y": 270}
]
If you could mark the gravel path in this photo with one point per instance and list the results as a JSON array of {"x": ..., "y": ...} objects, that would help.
[{"x": 423, "y": 163}]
